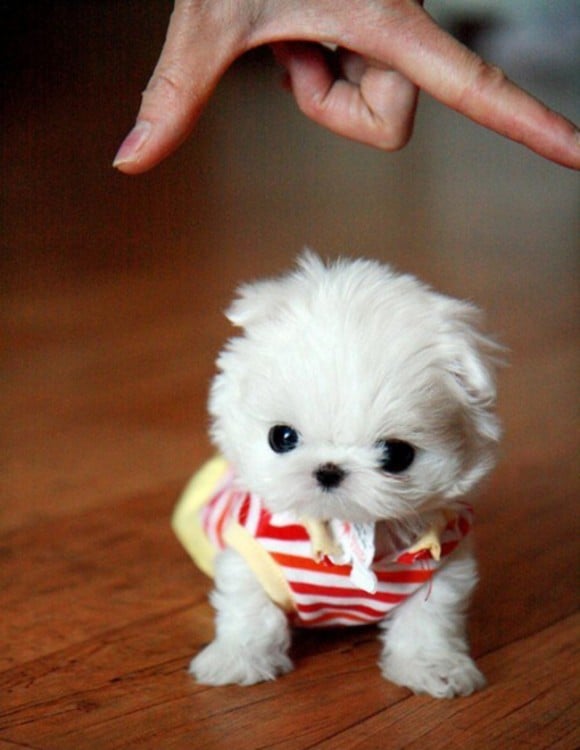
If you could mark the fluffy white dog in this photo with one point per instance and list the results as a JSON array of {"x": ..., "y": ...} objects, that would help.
[{"x": 356, "y": 411}]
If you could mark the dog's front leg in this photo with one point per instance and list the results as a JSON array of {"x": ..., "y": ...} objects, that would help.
[
  {"x": 425, "y": 641},
  {"x": 252, "y": 634}
]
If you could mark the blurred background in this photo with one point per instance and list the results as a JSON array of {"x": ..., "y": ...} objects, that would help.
[{"x": 256, "y": 177}]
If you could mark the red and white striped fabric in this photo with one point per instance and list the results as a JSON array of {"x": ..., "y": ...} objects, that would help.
[{"x": 322, "y": 592}]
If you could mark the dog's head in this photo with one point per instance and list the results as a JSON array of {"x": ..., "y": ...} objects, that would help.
[{"x": 354, "y": 393}]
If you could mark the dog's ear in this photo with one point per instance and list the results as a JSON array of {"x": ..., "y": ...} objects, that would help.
[
  {"x": 254, "y": 303},
  {"x": 471, "y": 361},
  {"x": 266, "y": 300}
]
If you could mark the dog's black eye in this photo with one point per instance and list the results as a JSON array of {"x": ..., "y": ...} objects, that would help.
[
  {"x": 283, "y": 438},
  {"x": 397, "y": 455}
]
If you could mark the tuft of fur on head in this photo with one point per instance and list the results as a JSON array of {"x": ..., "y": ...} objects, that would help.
[{"x": 350, "y": 354}]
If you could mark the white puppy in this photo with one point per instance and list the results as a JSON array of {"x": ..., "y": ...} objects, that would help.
[{"x": 356, "y": 411}]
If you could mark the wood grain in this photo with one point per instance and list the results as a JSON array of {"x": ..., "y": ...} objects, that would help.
[{"x": 112, "y": 297}]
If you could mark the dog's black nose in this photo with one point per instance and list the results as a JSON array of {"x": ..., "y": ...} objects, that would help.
[{"x": 329, "y": 476}]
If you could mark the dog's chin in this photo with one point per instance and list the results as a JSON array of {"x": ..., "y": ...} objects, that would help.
[{"x": 328, "y": 507}]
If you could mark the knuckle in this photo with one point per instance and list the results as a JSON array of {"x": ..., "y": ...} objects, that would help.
[
  {"x": 392, "y": 131},
  {"x": 485, "y": 79},
  {"x": 314, "y": 104},
  {"x": 491, "y": 75},
  {"x": 394, "y": 144},
  {"x": 388, "y": 134},
  {"x": 167, "y": 84},
  {"x": 393, "y": 138}
]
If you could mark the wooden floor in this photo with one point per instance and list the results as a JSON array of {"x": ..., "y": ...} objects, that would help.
[{"x": 112, "y": 292}]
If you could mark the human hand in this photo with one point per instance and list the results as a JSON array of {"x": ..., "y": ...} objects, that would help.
[{"x": 366, "y": 90}]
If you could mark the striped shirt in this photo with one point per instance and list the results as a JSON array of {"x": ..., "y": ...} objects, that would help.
[{"x": 321, "y": 593}]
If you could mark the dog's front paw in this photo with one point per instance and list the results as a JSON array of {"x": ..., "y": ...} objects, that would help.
[
  {"x": 442, "y": 675},
  {"x": 225, "y": 664}
]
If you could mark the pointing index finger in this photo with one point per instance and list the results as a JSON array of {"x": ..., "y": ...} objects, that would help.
[{"x": 442, "y": 67}]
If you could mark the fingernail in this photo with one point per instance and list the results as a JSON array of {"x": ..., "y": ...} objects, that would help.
[{"x": 133, "y": 143}]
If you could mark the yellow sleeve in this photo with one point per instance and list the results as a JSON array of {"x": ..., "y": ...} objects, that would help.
[
  {"x": 186, "y": 517},
  {"x": 187, "y": 526}
]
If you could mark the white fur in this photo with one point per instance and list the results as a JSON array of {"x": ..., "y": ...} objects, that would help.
[
  {"x": 252, "y": 634},
  {"x": 424, "y": 642},
  {"x": 349, "y": 354}
]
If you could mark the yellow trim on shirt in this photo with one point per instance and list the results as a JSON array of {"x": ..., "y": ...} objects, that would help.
[
  {"x": 262, "y": 565},
  {"x": 186, "y": 517}
]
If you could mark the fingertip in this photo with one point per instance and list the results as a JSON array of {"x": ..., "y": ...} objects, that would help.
[
  {"x": 148, "y": 144},
  {"x": 167, "y": 115},
  {"x": 128, "y": 154}
]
